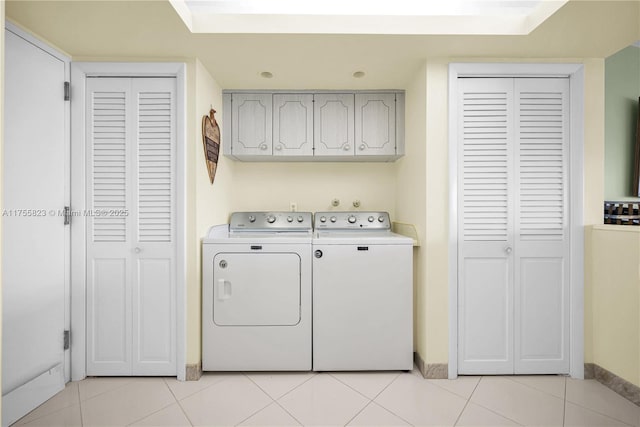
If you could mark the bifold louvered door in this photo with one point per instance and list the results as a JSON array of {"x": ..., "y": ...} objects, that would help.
[
  {"x": 131, "y": 251},
  {"x": 513, "y": 241}
]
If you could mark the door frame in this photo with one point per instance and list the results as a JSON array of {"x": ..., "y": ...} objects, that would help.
[
  {"x": 575, "y": 73},
  {"x": 79, "y": 73}
]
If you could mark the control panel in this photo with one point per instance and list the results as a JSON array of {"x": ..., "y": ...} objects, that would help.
[
  {"x": 271, "y": 221},
  {"x": 352, "y": 221}
]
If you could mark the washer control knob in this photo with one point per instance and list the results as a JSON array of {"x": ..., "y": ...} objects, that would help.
[
  {"x": 252, "y": 218},
  {"x": 323, "y": 219},
  {"x": 271, "y": 219},
  {"x": 371, "y": 219},
  {"x": 300, "y": 218},
  {"x": 380, "y": 218},
  {"x": 289, "y": 219},
  {"x": 333, "y": 219},
  {"x": 352, "y": 219}
]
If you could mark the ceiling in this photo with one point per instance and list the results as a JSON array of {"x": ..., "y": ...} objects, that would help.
[
  {"x": 365, "y": 16},
  {"x": 152, "y": 30}
]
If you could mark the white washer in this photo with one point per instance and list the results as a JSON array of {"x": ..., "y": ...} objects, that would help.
[
  {"x": 256, "y": 293},
  {"x": 362, "y": 293}
]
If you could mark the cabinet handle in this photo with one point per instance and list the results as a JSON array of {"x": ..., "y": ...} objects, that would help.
[
  {"x": 279, "y": 147},
  {"x": 263, "y": 146},
  {"x": 347, "y": 147},
  {"x": 362, "y": 147}
]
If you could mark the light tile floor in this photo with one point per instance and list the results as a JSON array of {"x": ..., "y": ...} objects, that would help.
[{"x": 335, "y": 399}]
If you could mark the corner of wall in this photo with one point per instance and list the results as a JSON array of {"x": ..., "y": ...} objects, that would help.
[{"x": 207, "y": 204}]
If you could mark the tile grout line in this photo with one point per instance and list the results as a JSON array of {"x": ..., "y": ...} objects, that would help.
[
  {"x": 360, "y": 393},
  {"x": 596, "y": 411},
  {"x": 202, "y": 389},
  {"x": 160, "y": 409},
  {"x": 299, "y": 385},
  {"x": 511, "y": 378},
  {"x": 272, "y": 399},
  {"x": 17, "y": 423},
  {"x": 387, "y": 409},
  {"x": 489, "y": 409},
  {"x": 467, "y": 402}
]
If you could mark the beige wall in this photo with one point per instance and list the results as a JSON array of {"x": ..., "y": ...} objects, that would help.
[
  {"x": 272, "y": 186},
  {"x": 211, "y": 204},
  {"x": 411, "y": 180},
  {"x": 615, "y": 305}
]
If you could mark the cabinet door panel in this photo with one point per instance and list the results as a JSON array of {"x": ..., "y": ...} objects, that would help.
[
  {"x": 251, "y": 124},
  {"x": 333, "y": 124},
  {"x": 375, "y": 118},
  {"x": 293, "y": 125}
]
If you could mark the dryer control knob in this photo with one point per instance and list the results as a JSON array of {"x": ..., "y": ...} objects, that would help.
[
  {"x": 323, "y": 219},
  {"x": 252, "y": 218},
  {"x": 271, "y": 219},
  {"x": 300, "y": 219},
  {"x": 352, "y": 219},
  {"x": 380, "y": 218},
  {"x": 334, "y": 219},
  {"x": 289, "y": 219},
  {"x": 371, "y": 219}
]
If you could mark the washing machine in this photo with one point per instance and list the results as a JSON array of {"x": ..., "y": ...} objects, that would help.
[
  {"x": 362, "y": 293},
  {"x": 256, "y": 293}
]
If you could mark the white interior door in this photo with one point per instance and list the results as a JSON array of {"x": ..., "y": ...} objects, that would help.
[
  {"x": 131, "y": 249},
  {"x": 35, "y": 240},
  {"x": 513, "y": 239}
]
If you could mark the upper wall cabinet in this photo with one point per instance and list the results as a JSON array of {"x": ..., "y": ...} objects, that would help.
[
  {"x": 251, "y": 133},
  {"x": 314, "y": 126},
  {"x": 333, "y": 124},
  {"x": 292, "y": 125}
]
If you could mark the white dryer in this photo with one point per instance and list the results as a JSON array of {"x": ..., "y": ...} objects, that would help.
[
  {"x": 362, "y": 293},
  {"x": 256, "y": 293}
]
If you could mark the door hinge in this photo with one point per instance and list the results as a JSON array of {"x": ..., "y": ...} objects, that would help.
[
  {"x": 67, "y": 215},
  {"x": 67, "y": 340},
  {"x": 67, "y": 91}
]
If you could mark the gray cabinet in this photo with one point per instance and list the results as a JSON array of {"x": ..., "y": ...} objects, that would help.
[
  {"x": 333, "y": 126},
  {"x": 251, "y": 124},
  {"x": 292, "y": 125},
  {"x": 314, "y": 125},
  {"x": 375, "y": 118}
]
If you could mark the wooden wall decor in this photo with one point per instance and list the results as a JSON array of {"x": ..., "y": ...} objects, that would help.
[
  {"x": 211, "y": 142},
  {"x": 636, "y": 165}
]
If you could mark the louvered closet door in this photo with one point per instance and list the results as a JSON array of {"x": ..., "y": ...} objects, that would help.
[
  {"x": 131, "y": 249},
  {"x": 513, "y": 242},
  {"x": 485, "y": 204},
  {"x": 542, "y": 242}
]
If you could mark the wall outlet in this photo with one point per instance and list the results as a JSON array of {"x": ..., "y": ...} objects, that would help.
[{"x": 293, "y": 206}]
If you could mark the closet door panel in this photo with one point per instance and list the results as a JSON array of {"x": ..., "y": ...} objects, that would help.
[
  {"x": 485, "y": 226},
  {"x": 542, "y": 242}
]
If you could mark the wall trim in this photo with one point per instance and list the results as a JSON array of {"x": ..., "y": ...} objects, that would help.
[
  {"x": 193, "y": 371},
  {"x": 79, "y": 73},
  {"x": 575, "y": 72},
  {"x": 431, "y": 371},
  {"x": 607, "y": 378}
]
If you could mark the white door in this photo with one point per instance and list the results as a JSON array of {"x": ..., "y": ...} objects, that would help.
[
  {"x": 35, "y": 255},
  {"x": 513, "y": 226},
  {"x": 333, "y": 121},
  {"x": 375, "y": 118},
  {"x": 293, "y": 125},
  {"x": 131, "y": 249}
]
